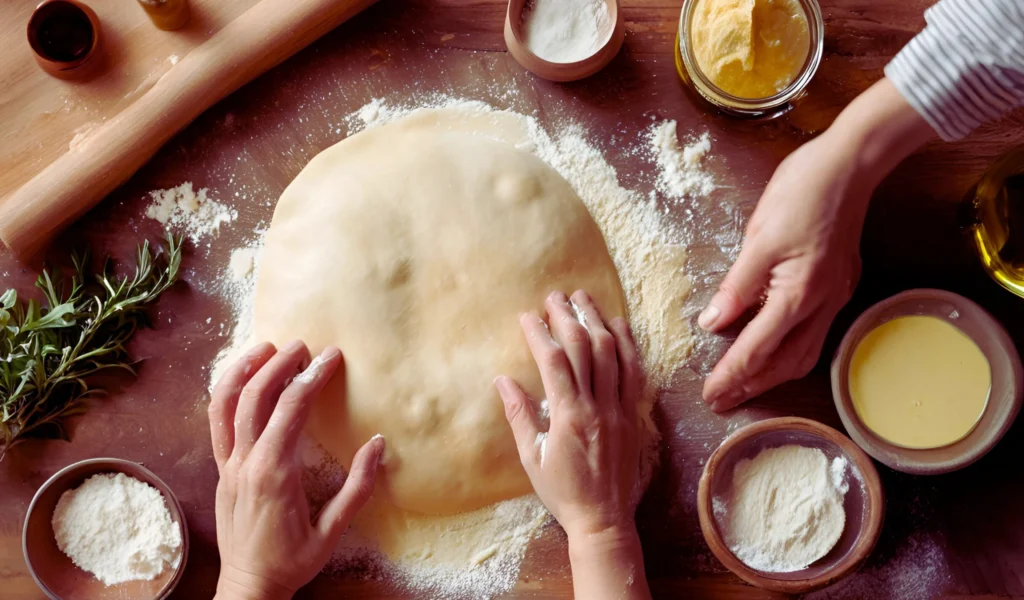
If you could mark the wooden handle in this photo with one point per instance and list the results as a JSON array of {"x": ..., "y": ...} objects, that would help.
[{"x": 259, "y": 39}]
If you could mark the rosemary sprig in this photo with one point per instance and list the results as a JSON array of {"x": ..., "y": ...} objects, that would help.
[{"x": 50, "y": 350}]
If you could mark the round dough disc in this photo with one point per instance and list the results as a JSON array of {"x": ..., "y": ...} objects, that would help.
[{"x": 414, "y": 247}]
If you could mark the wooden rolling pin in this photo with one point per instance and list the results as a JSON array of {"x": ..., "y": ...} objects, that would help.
[{"x": 259, "y": 39}]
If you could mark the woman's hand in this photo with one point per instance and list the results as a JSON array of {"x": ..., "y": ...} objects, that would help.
[
  {"x": 585, "y": 468},
  {"x": 801, "y": 257},
  {"x": 269, "y": 543},
  {"x": 801, "y": 253}
]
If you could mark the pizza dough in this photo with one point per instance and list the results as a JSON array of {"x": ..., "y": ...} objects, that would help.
[{"x": 414, "y": 247}]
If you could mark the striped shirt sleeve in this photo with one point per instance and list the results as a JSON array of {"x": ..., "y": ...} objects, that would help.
[{"x": 967, "y": 66}]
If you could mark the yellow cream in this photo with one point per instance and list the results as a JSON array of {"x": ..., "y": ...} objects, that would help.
[
  {"x": 919, "y": 382},
  {"x": 750, "y": 48}
]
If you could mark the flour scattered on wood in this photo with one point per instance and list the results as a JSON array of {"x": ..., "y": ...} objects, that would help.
[
  {"x": 242, "y": 263},
  {"x": 238, "y": 286},
  {"x": 680, "y": 169},
  {"x": 190, "y": 212},
  {"x": 917, "y": 570},
  {"x": 117, "y": 528},
  {"x": 474, "y": 555}
]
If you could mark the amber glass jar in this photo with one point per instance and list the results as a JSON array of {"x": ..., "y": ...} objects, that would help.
[
  {"x": 167, "y": 14},
  {"x": 995, "y": 220},
  {"x": 774, "y": 105}
]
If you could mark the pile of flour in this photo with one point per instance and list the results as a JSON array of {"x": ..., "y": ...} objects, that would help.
[
  {"x": 785, "y": 510},
  {"x": 680, "y": 170},
  {"x": 117, "y": 528},
  {"x": 191, "y": 212},
  {"x": 564, "y": 31}
]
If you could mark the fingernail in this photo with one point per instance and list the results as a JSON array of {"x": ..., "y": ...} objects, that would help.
[
  {"x": 622, "y": 323},
  {"x": 708, "y": 317},
  {"x": 501, "y": 383},
  {"x": 725, "y": 401},
  {"x": 378, "y": 445},
  {"x": 558, "y": 296},
  {"x": 293, "y": 346},
  {"x": 330, "y": 353},
  {"x": 258, "y": 349}
]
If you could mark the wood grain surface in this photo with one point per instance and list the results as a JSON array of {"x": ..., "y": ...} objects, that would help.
[
  {"x": 953, "y": 536},
  {"x": 41, "y": 115}
]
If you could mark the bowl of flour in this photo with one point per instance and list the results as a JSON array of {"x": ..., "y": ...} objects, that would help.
[
  {"x": 105, "y": 528},
  {"x": 790, "y": 505}
]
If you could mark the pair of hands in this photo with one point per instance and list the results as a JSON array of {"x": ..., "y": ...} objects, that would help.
[{"x": 271, "y": 545}]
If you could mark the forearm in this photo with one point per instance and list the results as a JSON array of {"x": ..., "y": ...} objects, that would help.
[
  {"x": 608, "y": 565},
  {"x": 879, "y": 129}
]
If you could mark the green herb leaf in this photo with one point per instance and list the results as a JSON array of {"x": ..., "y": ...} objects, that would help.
[{"x": 50, "y": 350}]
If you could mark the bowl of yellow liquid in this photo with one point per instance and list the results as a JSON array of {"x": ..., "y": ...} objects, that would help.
[{"x": 927, "y": 381}]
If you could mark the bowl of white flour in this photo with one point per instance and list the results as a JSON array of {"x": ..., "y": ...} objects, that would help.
[
  {"x": 790, "y": 505},
  {"x": 105, "y": 528}
]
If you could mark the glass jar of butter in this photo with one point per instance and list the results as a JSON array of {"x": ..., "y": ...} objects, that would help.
[{"x": 749, "y": 58}]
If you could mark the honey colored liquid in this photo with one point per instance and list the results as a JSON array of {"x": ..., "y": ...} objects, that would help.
[{"x": 997, "y": 227}]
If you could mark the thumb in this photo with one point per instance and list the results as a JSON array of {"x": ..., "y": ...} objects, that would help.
[
  {"x": 521, "y": 418},
  {"x": 342, "y": 508},
  {"x": 742, "y": 287}
]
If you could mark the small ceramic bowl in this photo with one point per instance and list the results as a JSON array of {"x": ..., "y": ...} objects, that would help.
[
  {"x": 571, "y": 71},
  {"x": 1004, "y": 399},
  {"x": 65, "y": 38},
  {"x": 863, "y": 503},
  {"x": 56, "y": 575}
]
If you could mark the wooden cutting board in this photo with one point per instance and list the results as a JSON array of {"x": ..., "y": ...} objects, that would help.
[{"x": 40, "y": 115}]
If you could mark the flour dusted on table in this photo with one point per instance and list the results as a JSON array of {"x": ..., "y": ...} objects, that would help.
[
  {"x": 469, "y": 555},
  {"x": 680, "y": 169},
  {"x": 191, "y": 212},
  {"x": 242, "y": 263},
  {"x": 564, "y": 31},
  {"x": 237, "y": 284},
  {"x": 117, "y": 528},
  {"x": 785, "y": 510}
]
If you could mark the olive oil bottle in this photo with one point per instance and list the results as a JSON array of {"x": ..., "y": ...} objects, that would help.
[{"x": 995, "y": 220}]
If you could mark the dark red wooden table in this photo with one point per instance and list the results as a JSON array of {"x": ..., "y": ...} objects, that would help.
[{"x": 958, "y": 535}]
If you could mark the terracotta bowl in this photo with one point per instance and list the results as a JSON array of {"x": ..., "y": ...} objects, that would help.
[
  {"x": 864, "y": 504},
  {"x": 56, "y": 575},
  {"x": 553, "y": 71},
  {"x": 81, "y": 67},
  {"x": 1004, "y": 397}
]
